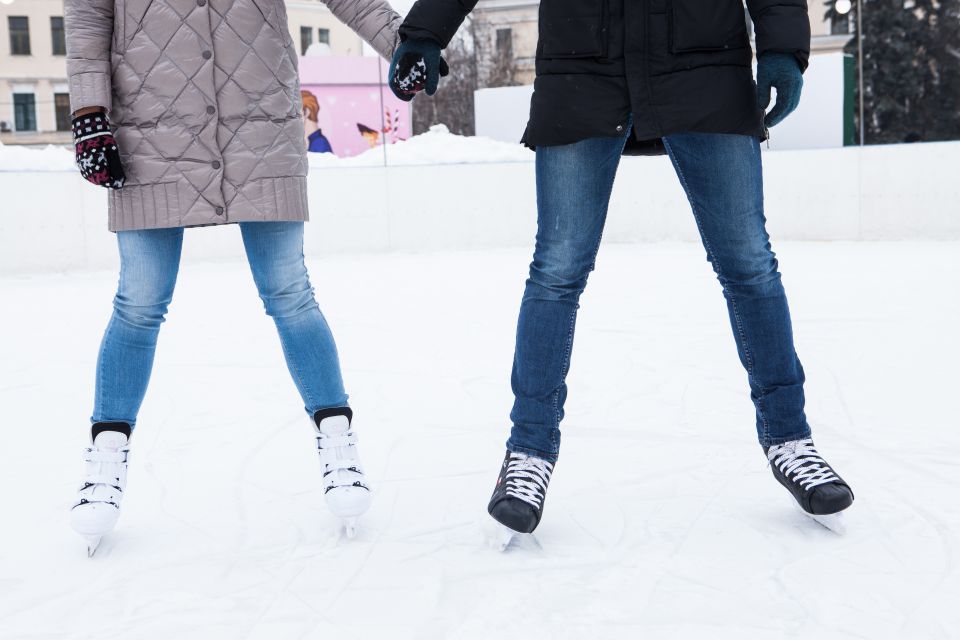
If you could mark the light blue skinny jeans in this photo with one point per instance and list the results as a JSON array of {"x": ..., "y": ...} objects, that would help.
[{"x": 149, "y": 263}]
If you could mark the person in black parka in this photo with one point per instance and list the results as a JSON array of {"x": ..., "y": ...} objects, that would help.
[
  {"x": 676, "y": 65},
  {"x": 648, "y": 77}
]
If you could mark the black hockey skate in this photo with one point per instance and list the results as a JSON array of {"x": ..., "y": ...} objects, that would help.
[
  {"x": 517, "y": 500},
  {"x": 818, "y": 490}
]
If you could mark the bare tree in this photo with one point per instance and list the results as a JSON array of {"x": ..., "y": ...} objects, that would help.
[
  {"x": 478, "y": 57},
  {"x": 452, "y": 105},
  {"x": 498, "y": 66}
]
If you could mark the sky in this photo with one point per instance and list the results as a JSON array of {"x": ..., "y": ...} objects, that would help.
[{"x": 402, "y": 6}]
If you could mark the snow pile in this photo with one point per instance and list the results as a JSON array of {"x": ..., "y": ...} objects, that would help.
[
  {"x": 50, "y": 158},
  {"x": 436, "y": 146}
]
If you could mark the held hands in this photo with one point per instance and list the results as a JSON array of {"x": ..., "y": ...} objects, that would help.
[
  {"x": 782, "y": 71},
  {"x": 416, "y": 66},
  {"x": 97, "y": 154}
]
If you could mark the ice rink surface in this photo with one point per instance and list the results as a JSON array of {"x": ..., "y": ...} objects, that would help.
[{"x": 663, "y": 520}]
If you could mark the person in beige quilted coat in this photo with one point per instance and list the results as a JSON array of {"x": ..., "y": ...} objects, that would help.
[{"x": 189, "y": 112}]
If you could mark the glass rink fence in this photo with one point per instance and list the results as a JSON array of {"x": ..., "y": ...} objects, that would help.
[{"x": 373, "y": 186}]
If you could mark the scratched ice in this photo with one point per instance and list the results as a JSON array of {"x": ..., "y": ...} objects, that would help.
[{"x": 662, "y": 521}]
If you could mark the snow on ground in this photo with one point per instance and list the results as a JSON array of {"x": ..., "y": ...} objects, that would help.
[
  {"x": 436, "y": 146},
  {"x": 663, "y": 520},
  {"x": 50, "y": 158}
]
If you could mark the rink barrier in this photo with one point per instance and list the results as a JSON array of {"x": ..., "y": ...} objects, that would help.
[{"x": 53, "y": 221}]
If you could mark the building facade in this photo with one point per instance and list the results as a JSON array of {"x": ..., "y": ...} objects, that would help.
[
  {"x": 34, "y": 99},
  {"x": 509, "y": 27}
]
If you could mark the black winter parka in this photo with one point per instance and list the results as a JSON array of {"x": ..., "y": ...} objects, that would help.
[{"x": 675, "y": 65}]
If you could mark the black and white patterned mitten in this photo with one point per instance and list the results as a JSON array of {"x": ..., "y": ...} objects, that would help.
[{"x": 97, "y": 155}]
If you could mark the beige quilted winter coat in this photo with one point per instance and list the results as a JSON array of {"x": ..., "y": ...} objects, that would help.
[{"x": 205, "y": 99}]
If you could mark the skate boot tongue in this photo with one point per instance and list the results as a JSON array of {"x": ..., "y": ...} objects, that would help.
[
  {"x": 110, "y": 435},
  {"x": 110, "y": 440},
  {"x": 334, "y": 425}
]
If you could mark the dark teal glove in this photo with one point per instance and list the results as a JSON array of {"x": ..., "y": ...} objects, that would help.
[
  {"x": 782, "y": 71},
  {"x": 416, "y": 66}
]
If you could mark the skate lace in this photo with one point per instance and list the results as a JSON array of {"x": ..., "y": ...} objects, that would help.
[
  {"x": 800, "y": 458},
  {"x": 341, "y": 464},
  {"x": 527, "y": 478}
]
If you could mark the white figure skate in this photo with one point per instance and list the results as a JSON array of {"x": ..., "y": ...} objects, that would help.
[
  {"x": 97, "y": 508},
  {"x": 344, "y": 484}
]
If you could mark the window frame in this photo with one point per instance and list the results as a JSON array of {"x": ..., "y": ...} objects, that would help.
[
  {"x": 306, "y": 39},
  {"x": 503, "y": 42},
  {"x": 19, "y": 36},
  {"x": 62, "y": 112},
  {"x": 841, "y": 25},
  {"x": 58, "y": 37},
  {"x": 17, "y": 107}
]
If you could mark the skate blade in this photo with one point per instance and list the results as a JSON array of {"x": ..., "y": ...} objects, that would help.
[
  {"x": 500, "y": 537},
  {"x": 93, "y": 542},
  {"x": 351, "y": 526},
  {"x": 834, "y": 522}
]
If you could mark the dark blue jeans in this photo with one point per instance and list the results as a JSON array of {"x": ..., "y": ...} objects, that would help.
[{"x": 723, "y": 180}]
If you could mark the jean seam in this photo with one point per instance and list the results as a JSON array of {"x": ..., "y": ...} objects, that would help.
[
  {"x": 294, "y": 366},
  {"x": 573, "y": 315},
  {"x": 296, "y": 369},
  {"x": 106, "y": 336},
  {"x": 565, "y": 369},
  {"x": 733, "y": 302},
  {"x": 98, "y": 408},
  {"x": 749, "y": 358}
]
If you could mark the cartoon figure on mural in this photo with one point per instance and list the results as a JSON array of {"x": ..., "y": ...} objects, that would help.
[
  {"x": 390, "y": 130},
  {"x": 315, "y": 140}
]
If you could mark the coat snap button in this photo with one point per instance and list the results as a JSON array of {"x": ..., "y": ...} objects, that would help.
[
  {"x": 207, "y": 55},
  {"x": 215, "y": 164},
  {"x": 619, "y": 128},
  {"x": 211, "y": 110},
  {"x": 219, "y": 211}
]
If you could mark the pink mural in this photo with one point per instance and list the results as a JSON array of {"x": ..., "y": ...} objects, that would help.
[{"x": 347, "y": 107}]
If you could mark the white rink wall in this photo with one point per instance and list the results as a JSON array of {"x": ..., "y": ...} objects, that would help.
[{"x": 447, "y": 192}]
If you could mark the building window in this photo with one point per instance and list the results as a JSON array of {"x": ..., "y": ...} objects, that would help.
[
  {"x": 61, "y": 104},
  {"x": 323, "y": 35},
  {"x": 19, "y": 35},
  {"x": 505, "y": 42},
  {"x": 24, "y": 112},
  {"x": 57, "y": 37},
  {"x": 306, "y": 39},
  {"x": 840, "y": 25}
]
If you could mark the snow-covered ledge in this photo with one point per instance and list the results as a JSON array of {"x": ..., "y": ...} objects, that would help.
[{"x": 442, "y": 191}]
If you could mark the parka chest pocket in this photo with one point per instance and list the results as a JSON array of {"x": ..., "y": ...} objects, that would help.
[
  {"x": 707, "y": 25},
  {"x": 574, "y": 29}
]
